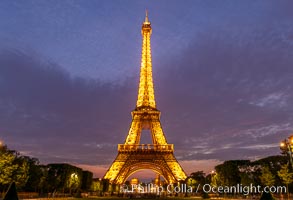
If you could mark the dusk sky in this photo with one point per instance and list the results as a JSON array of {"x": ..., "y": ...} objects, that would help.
[{"x": 69, "y": 72}]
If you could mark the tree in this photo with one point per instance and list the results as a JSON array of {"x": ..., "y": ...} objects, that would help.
[
  {"x": 63, "y": 177},
  {"x": 12, "y": 168},
  {"x": 96, "y": 185},
  {"x": 266, "y": 196},
  {"x": 215, "y": 180},
  {"x": 73, "y": 182},
  {"x": 267, "y": 178},
  {"x": 229, "y": 173},
  {"x": 286, "y": 176},
  {"x": 246, "y": 179},
  {"x": 35, "y": 174},
  {"x": 274, "y": 163},
  {"x": 105, "y": 185},
  {"x": 11, "y": 193},
  {"x": 198, "y": 176},
  {"x": 7, "y": 168},
  {"x": 87, "y": 179},
  {"x": 43, "y": 184}
]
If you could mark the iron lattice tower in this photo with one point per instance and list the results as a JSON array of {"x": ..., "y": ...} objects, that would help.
[{"x": 133, "y": 156}]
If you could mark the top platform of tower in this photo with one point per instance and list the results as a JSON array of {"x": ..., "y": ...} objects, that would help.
[{"x": 146, "y": 24}]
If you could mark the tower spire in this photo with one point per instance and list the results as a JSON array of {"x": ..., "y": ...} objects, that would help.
[
  {"x": 146, "y": 96},
  {"x": 146, "y": 16}
]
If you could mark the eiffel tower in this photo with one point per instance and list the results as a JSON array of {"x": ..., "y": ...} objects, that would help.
[{"x": 133, "y": 156}]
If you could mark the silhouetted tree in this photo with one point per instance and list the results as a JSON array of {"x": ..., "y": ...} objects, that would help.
[
  {"x": 63, "y": 177},
  {"x": 35, "y": 175},
  {"x": 229, "y": 172},
  {"x": 11, "y": 193},
  {"x": 13, "y": 168},
  {"x": 286, "y": 176},
  {"x": 267, "y": 178},
  {"x": 87, "y": 179}
]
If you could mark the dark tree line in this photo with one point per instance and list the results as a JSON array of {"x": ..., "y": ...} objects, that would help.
[
  {"x": 269, "y": 171},
  {"x": 30, "y": 176}
]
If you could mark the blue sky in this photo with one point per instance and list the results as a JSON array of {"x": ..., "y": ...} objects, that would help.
[{"x": 69, "y": 74}]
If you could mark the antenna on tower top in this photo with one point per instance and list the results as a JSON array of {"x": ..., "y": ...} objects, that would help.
[{"x": 146, "y": 16}]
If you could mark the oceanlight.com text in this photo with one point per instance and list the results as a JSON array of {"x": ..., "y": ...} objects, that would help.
[
  {"x": 245, "y": 190},
  {"x": 206, "y": 188}
]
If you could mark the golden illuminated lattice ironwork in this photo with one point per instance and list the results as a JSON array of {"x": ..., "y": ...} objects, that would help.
[
  {"x": 133, "y": 156},
  {"x": 146, "y": 95}
]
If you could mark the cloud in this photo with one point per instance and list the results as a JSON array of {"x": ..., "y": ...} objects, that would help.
[
  {"x": 271, "y": 129},
  {"x": 43, "y": 108},
  {"x": 261, "y": 146},
  {"x": 58, "y": 118},
  {"x": 275, "y": 99},
  {"x": 227, "y": 91}
]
